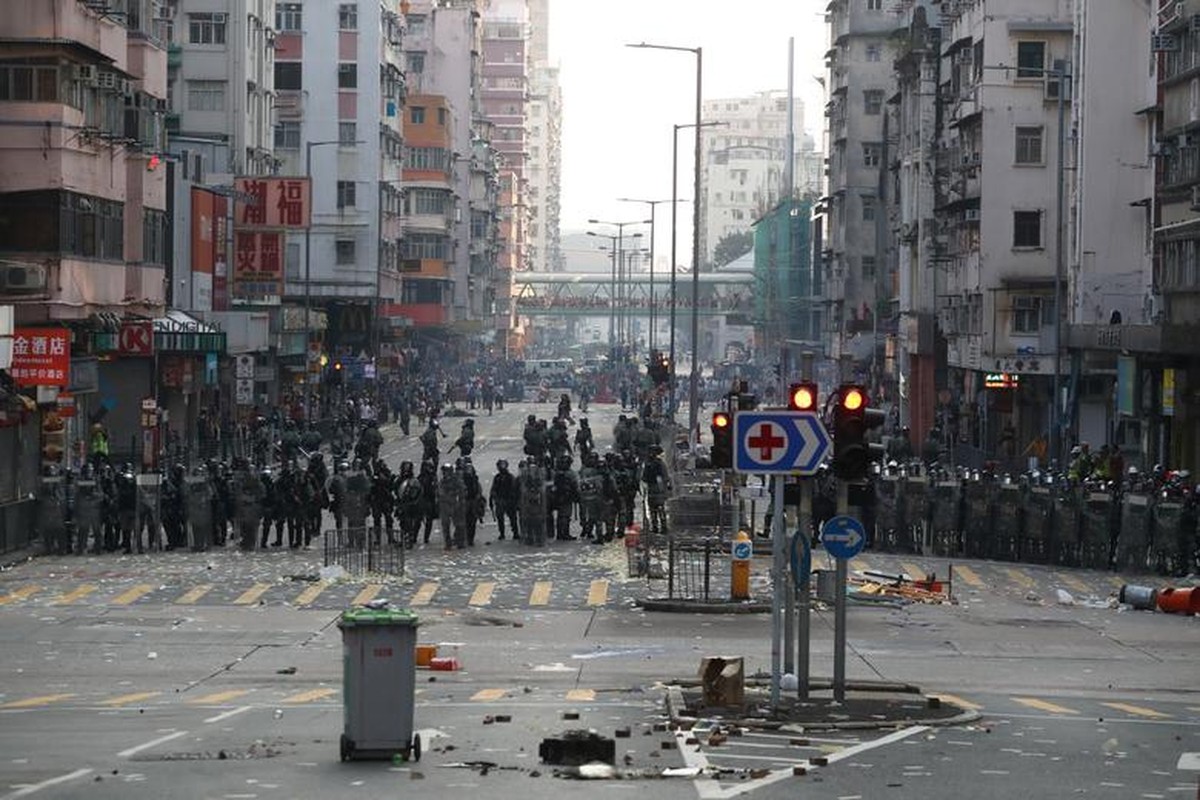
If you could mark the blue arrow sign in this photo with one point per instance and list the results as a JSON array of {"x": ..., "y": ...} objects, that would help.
[
  {"x": 789, "y": 442},
  {"x": 843, "y": 537}
]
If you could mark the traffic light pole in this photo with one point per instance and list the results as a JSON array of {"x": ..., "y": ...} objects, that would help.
[
  {"x": 778, "y": 578},
  {"x": 839, "y": 606},
  {"x": 803, "y": 528}
]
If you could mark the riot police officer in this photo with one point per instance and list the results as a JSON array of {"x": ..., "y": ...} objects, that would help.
[
  {"x": 126, "y": 503},
  {"x": 356, "y": 504},
  {"x": 466, "y": 439},
  {"x": 248, "y": 495},
  {"x": 198, "y": 508},
  {"x": 472, "y": 498},
  {"x": 584, "y": 442},
  {"x": 271, "y": 509},
  {"x": 452, "y": 507},
  {"x": 658, "y": 486},
  {"x": 382, "y": 500},
  {"x": 173, "y": 512},
  {"x": 557, "y": 440},
  {"x": 337, "y": 497},
  {"x": 591, "y": 499},
  {"x": 89, "y": 512},
  {"x": 564, "y": 494},
  {"x": 409, "y": 512},
  {"x": 503, "y": 497},
  {"x": 532, "y": 502},
  {"x": 429, "y": 441}
]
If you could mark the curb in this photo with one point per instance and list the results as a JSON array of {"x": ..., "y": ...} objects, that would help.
[{"x": 701, "y": 607}]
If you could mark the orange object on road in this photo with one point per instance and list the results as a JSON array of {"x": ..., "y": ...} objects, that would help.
[
  {"x": 741, "y": 549},
  {"x": 444, "y": 664},
  {"x": 1179, "y": 601},
  {"x": 425, "y": 654}
]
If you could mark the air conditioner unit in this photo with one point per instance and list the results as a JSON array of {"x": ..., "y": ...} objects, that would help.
[
  {"x": 218, "y": 18},
  {"x": 1164, "y": 43},
  {"x": 1053, "y": 88},
  {"x": 1194, "y": 23},
  {"x": 22, "y": 278},
  {"x": 125, "y": 86},
  {"x": 971, "y": 215},
  {"x": 107, "y": 80},
  {"x": 85, "y": 73},
  {"x": 976, "y": 158},
  {"x": 1196, "y": 198}
]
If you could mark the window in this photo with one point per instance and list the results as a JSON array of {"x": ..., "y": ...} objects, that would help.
[
  {"x": 38, "y": 84},
  {"x": 344, "y": 249},
  {"x": 1027, "y": 229},
  {"x": 416, "y": 63},
  {"x": 347, "y": 134},
  {"x": 428, "y": 201},
  {"x": 345, "y": 194},
  {"x": 289, "y": 17},
  {"x": 441, "y": 117},
  {"x": 1027, "y": 313},
  {"x": 425, "y": 158},
  {"x": 868, "y": 266},
  {"x": 154, "y": 236},
  {"x": 1029, "y": 144},
  {"x": 426, "y": 245},
  {"x": 868, "y": 209},
  {"x": 291, "y": 261},
  {"x": 289, "y": 76},
  {"x": 874, "y": 5},
  {"x": 417, "y": 25},
  {"x": 206, "y": 95},
  {"x": 348, "y": 17},
  {"x": 874, "y": 52},
  {"x": 1031, "y": 59},
  {"x": 873, "y": 102},
  {"x": 871, "y": 155},
  {"x": 206, "y": 28},
  {"x": 416, "y": 115},
  {"x": 287, "y": 136},
  {"x": 71, "y": 224},
  {"x": 347, "y": 76}
]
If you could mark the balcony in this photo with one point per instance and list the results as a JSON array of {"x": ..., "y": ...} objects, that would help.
[
  {"x": 289, "y": 105},
  {"x": 174, "y": 56},
  {"x": 1181, "y": 167}
]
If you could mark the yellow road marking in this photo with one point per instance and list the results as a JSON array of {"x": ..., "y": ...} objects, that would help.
[
  {"x": 131, "y": 595},
  {"x": 540, "y": 595},
  {"x": 367, "y": 594},
  {"x": 1117, "y": 581},
  {"x": 1019, "y": 577},
  {"x": 218, "y": 697},
  {"x": 194, "y": 594},
  {"x": 126, "y": 699},
  {"x": 1073, "y": 582},
  {"x": 311, "y": 593},
  {"x": 914, "y": 572},
  {"x": 1044, "y": 705},
  {"x": 251, "y": 595},
  {"x": 482, "y": 594},
  {"x": 581, "y": 695},
  {"x": 34, "y": 702},
  {"x": 861, "y": 565},
  {"x": 20, "y": 594},
  {"x": 598, "y": 592},
  {"x": 1137, "y": 711},
  {"x": 424, "y": 595},
  {"x": 958, "y": 701},
  {"x": 484, "y": 695},
  {"x": 73, "y": 595},
  {"x": 309, "y": 696},
  {"x": 967, "y": 574}
]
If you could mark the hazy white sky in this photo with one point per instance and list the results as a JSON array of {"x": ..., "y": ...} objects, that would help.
[{"x": 619, "y": 103}]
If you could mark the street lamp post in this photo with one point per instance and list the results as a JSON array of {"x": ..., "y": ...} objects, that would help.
[
  {"x": 618, "y": 264},
  {"x": 653, "y": 205},
  {"x": 694, "y": 390},
  {"x": 308, "y": 148}
]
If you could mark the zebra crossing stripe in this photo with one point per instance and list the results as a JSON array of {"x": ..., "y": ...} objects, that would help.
[
  {"x": 1073, "y": 582},
  {"x": 23, "y": 593},
  {"x": 310, "y": 594},
  {"x": 367, "y": 594},
  {"x": 1019, "y": 577},
  {"x": 218, "y": 697},
  {"x": 194, "y": 594},
  {"x": 75, "y": 594},
  {"x": 487, "y": 695},
  {"x": 126, "y": 699},
  {"x": 581, "y": 695},
  {"x": 35, "y": 702},
  {"x": 308, "y": 697},
  {"x": 914, "y": 572},
  {"x": 540, "y": 595},
  {"x": 969, "y": 575},
  {"x": 252, "y": 595},
  {"x": 598, "y": 592},
  {"x": 482, "y": 595},
  {"x": 1044, "y": 705},
  {"x": 1137, "y": 711},
  {"x": 130, "y": 596},
  {"x": 424, "y": 595}
]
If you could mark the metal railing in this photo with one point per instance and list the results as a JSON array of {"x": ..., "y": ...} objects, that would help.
[{"x": 357, "y": 551}]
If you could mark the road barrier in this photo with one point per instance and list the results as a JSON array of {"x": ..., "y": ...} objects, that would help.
[{"x": 357, "y": 551}]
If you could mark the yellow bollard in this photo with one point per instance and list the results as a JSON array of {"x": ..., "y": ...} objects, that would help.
[{"x": 741, "y": 551}]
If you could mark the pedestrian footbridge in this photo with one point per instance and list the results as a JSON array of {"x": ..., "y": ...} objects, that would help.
[{"x": 597, "y": 294}]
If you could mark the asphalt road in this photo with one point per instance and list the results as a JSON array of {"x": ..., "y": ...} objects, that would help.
[{"x": 127, "y": 677}]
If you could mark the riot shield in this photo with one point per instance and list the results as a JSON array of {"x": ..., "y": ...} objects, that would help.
[
  {"x": 197, "y": 505},
  {"x": 1100, "y": 521},
  {"x": 979, "y": 522},
  {"x": 947, "y": 518},
  {"x": 51, "y": 516},
  {"x": 1065, "y": 528},
  {"x": 1132, "y": 547},
  {"x": 1010, "y": 521},
  {"x": 1039, "y": 517}
]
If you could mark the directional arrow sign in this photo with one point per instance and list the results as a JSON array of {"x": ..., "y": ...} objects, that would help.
[
  {"x": 843, "y": 537},
  {"x": 791, "y": 442}
]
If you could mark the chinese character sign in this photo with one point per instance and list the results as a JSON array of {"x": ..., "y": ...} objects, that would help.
[
  {"x": 280, "y": 203},
  {"x": 41, "y": 357},
  {"x": 257, "y": 264}
]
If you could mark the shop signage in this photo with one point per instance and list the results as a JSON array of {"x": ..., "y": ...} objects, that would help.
[
  {"x": 1001, "y": 380},
  {"x": 41, "y": 356}
]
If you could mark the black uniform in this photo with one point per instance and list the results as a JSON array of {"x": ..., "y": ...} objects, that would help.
[{"x": 503, "y": 498}]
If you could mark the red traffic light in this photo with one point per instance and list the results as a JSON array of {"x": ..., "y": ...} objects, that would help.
[
  {"x": 853, "y": 398},
  {"x": 720, "y": 420},
  {"x": 152, "y": 163},
  {"x": 802, "y": 396}
]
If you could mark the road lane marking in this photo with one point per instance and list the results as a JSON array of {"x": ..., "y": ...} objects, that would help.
[
  {"x": 194, "y": 594},
  {"x": 310, "y": 696},
  {"x": 1137, "y": 711},
  {"x": 233, "y": 712},
  {"x": 73, "y": 595},
  {"x": 424, "y": 595},
  {"x": 218, "y": 697},
  {"x": 914, "y": 572},
  {"x": 1117, "y": 581},
  {"x": 1044, "y": 705},
  {"x": 367, "y": 594},
  {"x": 968, "y": 575},
  {"x": 20, "y": 594},
  {"x": 1019, "y": 577},
  {"x": 860, "y": 565},
  {"x": 598, "y": 592},
  {"x": 540, "y": 595},
  {"x": 126, "y": 699},
  {"x": 482, "y": 595},
  {"x": 1073, "y": 583},
  {"x": 310, "y": 594},
  {"x": 581, "y": 695},
  {"x": 958, "y": 701},
  {"x": 34, "y": 788},
  {"x": 36, "y": 702},
  {"x": 252, "y": 594},
  {"x": 486, "y": 695},
  {"x": 131, "y": 595},
  {"x": 132, "y": 751}
]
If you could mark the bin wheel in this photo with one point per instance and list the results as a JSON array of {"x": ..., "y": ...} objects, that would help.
[
  {"x": 347, "y": 748},
  {"x": 415, "y": 749}
]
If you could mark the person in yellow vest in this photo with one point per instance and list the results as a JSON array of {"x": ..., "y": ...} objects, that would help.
[{"x": 99, "y": 445}]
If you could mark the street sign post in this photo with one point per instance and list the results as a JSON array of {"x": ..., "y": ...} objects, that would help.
[
  {"x": 843, "y": 537},
  {"x": 779, "y": 442}
]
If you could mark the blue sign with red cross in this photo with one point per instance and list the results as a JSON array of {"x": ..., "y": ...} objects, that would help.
[{"x": 789, "y": 442}]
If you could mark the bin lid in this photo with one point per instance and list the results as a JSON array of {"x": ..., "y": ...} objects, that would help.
[{"x": 377, "y": 616}]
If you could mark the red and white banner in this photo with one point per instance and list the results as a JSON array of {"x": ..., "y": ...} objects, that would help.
[{"x": 41, "y": 357}]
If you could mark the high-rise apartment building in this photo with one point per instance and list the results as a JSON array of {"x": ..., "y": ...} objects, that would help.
[{"x": 545, "y": 169}]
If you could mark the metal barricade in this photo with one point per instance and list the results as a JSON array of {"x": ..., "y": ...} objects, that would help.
[
  {"x": 979, "y": 522},
  {"x": 1034, "y": 544},
  {"x": 917, "y": 509},
  {"x": 1063, "y": 539},
  {"x": 356, "y": 551},
  {"x": 1100, "y": 520},
  {"x": 697, "y": 568},
  {"x": 889, "y": 513},
  {"x": 1009, "y": 511},
  {"x": 1131, "y": 550},
  {"x": 947, "y": 522}
]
